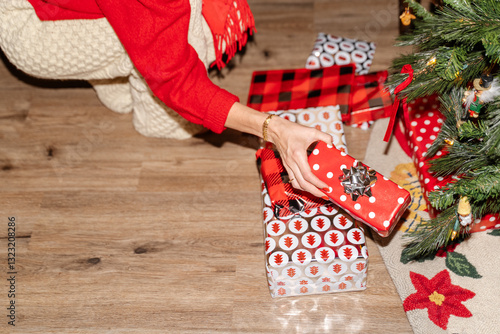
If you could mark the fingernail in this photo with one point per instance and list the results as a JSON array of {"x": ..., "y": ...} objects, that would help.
[
  {"x": 325, "y": 198},
  {"x": 325, "y": 189}
]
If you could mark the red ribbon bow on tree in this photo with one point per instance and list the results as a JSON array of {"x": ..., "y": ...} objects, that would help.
[{"x": 406, "y": 69}]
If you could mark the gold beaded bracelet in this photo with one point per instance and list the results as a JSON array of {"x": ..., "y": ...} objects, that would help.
[{"x": 264, "y": 127}]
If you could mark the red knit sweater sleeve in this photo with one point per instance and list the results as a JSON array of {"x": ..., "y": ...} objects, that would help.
[{"x": 154, "y": 34}]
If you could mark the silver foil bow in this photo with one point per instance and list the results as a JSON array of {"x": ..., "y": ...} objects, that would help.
[{"x": 357, "y": 181}]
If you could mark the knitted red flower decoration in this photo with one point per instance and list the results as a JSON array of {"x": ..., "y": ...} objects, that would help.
[{"x": 441, "y": 298}]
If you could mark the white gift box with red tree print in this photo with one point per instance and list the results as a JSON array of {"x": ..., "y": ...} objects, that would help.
[{"x": 321, "y": 250}]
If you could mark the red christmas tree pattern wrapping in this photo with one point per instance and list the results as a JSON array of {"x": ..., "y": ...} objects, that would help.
[
  {"x": 321, "y": 250},
  {"x": 425, "y": 123},
  {"x": 380, "y": 208}
]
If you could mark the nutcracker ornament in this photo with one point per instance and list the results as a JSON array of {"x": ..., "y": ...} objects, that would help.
[
  {"x": 464, "y": 211},
  {"x": 464, "y": 216},
  {"x": 485, "y": 90}
]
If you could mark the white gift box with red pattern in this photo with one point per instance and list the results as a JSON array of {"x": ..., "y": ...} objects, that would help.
[
  {"x": 332, "y": 50},
  {"x": 317, "y": 251}
]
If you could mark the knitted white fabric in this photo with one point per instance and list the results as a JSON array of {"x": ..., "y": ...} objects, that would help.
[
  {"x": 90, "y": 50},
  {"x": 114, "y": 94}
]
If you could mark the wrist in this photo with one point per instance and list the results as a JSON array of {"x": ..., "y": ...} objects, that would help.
[
  {"x": 274, "y": 129},
  {"x": 265, "y": 127},
  {"x": 245, "y": 119}
]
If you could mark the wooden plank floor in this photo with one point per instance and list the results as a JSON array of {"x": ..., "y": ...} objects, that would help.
[{"x": 119, "y": 233}]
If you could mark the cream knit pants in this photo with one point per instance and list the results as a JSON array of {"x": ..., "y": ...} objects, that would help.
[{"x": 90, "y": 50}]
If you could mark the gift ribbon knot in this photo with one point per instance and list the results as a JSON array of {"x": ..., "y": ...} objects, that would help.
[{"x": 357, "y": 181}]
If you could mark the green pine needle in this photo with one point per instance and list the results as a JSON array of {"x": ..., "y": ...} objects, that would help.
[{"x": 432, "y": 235}]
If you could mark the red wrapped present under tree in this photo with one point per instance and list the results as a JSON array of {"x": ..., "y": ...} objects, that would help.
[
  {"x": 425, "y": 121},
  {"x": 370, "y": 100}
]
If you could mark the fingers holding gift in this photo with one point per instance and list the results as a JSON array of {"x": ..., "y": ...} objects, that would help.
[
  {"x": 292, "y": 141},
  {"x": 291, "y": 177},
  {"x": 300, "y": 174},
  {"x": 305, "y": 180}
]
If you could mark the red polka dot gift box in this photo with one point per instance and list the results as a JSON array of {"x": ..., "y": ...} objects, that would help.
[
  {"x": 317, "y": 251},
  {"x": 365, "y": 194},
  {"x": 425, "y": 123}
]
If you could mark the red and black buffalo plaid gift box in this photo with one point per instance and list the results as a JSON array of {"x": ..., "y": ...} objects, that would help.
[
  {"x": 363, "y": 193},
  {"x": 370, "y": 99},
  {"x": 286, "y": 201},
  {"x": 302, "y": 88}
]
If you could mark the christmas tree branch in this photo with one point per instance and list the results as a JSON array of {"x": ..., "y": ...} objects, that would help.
[
  {"x": 427, "y": 80},
  {"x": 461, "y": 158},
  {"x": 419, "y": 10},
  {"x": 479, "y": 186},
  {"x": 452, "y": 110},
  {"x": 492, "y": 142},
  {"x": 431, "y": 235}
]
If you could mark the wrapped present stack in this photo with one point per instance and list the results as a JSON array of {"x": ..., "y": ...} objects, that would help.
[
  {"x": 361, "y": 96},
  {"x": 312, "y": 246}
]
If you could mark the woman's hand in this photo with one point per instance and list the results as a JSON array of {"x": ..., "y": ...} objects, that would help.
[{"x": 291, "y": 140}]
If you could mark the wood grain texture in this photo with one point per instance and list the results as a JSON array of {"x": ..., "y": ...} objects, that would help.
[{"x": 120, "y": 233}]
